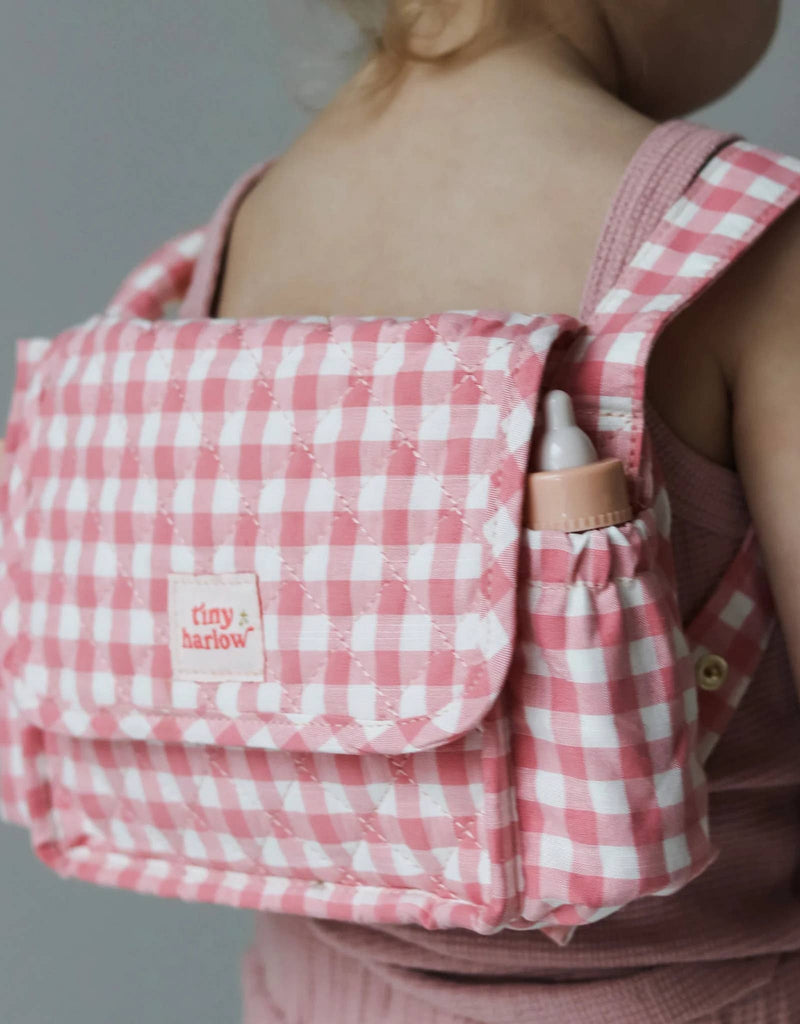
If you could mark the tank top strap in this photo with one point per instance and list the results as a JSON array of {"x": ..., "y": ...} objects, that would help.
[{"x": 659, "y": 173}]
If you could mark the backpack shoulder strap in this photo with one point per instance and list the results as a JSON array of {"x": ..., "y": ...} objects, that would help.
[
  {"x": 162, "y": 278},
  {"x": 735, "y": 197}
]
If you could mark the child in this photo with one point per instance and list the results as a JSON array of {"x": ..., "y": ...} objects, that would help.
[{"x": 517, "y": 163}]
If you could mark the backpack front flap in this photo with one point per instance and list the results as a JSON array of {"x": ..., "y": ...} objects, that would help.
[{"x": 369, "y": 474}]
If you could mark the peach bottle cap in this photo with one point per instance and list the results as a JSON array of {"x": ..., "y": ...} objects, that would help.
[{"x": 580, "y": 498}]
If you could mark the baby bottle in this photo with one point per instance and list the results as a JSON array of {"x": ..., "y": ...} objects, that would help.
[{"x": 573, "y": 490}]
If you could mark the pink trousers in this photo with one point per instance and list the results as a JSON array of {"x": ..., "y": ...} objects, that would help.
[{"x": 289, "y": 977}]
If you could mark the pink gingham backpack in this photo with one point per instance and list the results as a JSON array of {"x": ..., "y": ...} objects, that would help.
[{"x": 273, "y": 632}]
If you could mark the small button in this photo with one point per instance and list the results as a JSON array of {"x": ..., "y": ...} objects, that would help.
[{"x": 711, "y": 671}]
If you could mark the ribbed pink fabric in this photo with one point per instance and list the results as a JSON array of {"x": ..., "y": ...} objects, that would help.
[{"x": 724, "y": 950}]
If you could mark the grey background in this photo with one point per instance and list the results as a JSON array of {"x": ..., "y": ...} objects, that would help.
[{"x": 123, "y": 124}]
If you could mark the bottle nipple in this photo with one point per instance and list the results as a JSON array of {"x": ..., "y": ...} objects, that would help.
[
  {"x": 564, "y": 444},
  {"x": 573, "y": 490}
]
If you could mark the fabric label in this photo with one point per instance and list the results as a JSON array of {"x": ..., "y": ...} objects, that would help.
[{"x": 215, "y": 627}]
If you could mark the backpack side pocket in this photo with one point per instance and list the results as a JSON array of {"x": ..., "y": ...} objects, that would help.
[{"x": 612, "y": 799}]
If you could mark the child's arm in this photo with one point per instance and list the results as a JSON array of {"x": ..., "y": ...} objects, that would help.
[{"x": 763, "y": 362}]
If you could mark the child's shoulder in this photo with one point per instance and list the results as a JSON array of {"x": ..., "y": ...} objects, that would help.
[
  {"x": 718, "y": 350},
  {"x": 750, "y": 321},
  {"x": 757, "y": 300},
  {"x": 753, "y": 313}
]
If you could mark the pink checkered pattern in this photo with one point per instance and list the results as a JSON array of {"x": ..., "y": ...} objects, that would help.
[{"x": 462, "y": 722}]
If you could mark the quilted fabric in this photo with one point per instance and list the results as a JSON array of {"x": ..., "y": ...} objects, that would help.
[
  {"x": 461, "y": 722},
  {"x": 369, "y": 473}
]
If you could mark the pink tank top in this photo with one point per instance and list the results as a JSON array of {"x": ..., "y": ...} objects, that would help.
[{"x": 662, "y": 958}]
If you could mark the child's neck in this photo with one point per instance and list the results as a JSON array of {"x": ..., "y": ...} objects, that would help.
[{"x": 537, "y": 86}]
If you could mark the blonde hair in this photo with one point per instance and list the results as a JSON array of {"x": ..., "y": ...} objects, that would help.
[{"x": 389, "y": 28}]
